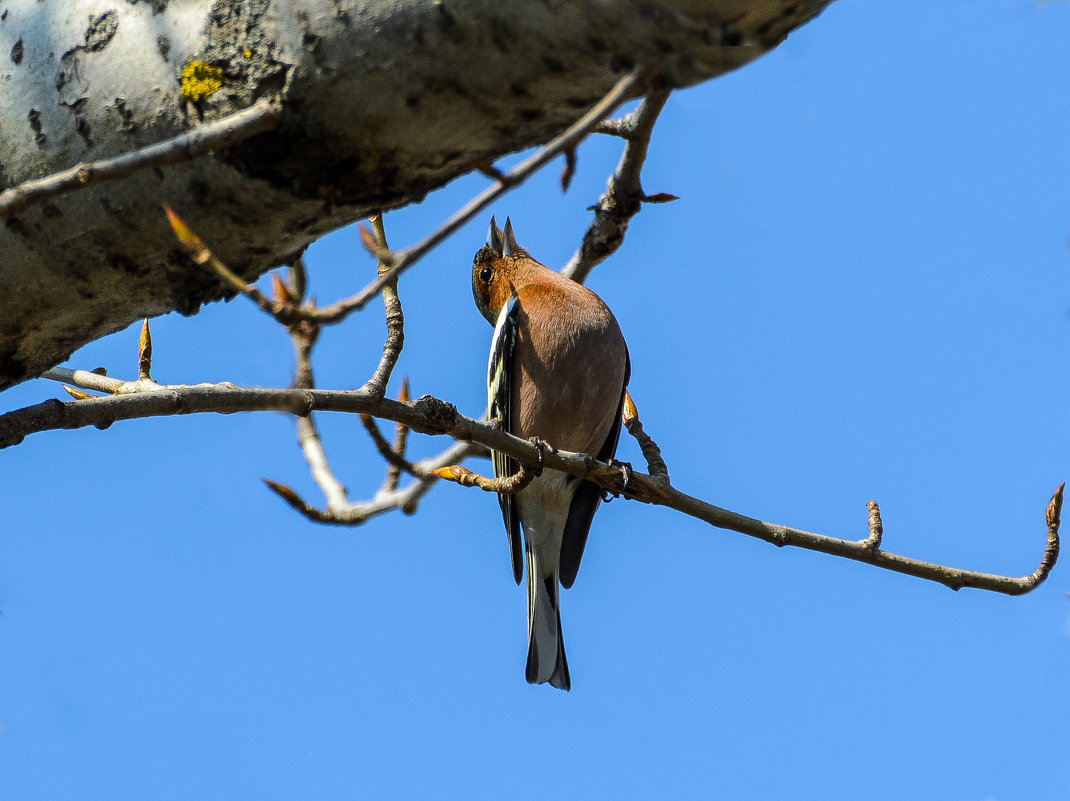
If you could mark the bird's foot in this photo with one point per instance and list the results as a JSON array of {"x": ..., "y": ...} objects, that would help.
[
  {"x": 540, "y": 448},
  {"x": 626, "y": 475}
]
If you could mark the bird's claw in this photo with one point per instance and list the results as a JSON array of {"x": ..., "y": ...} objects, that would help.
[
  {"x": 626, "y": 475},
  {"x": 540, "y": 446}
]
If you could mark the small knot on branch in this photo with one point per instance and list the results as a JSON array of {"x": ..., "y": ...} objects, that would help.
[{"x": 438, "y": 417}]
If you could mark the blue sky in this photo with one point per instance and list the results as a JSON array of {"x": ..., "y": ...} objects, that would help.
[{"x": 863, "y": 292}]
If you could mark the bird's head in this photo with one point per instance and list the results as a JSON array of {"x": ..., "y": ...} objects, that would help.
[{"x": 494, "y": 270}]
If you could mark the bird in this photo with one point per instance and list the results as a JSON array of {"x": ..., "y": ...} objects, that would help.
[{"x": 557, "y": 374}]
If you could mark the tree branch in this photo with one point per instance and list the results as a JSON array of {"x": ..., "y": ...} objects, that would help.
[
  {"x": 623, "y": 196},
  {"x": 264, "y": 115},
  {"x": 428, "y": 415},
  {"x": 387, "y": 499}
]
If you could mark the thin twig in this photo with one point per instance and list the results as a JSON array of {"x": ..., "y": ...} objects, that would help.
[
  {"x": 392, "y": 457},
  {"x": 395, "y": 319},
  {"x": 264, "y": 115},
  {"x": 406, "y": 499},
  {"x": 623, "y": 196},
  {"x": 650, "y": 450},
  {"x": 303, "y": 335},
  {"x": 401, "y": 438},
  {"x": 431, "y": 416},
  {"x": 504, "y": 484},
  {"x": 103, "y": 383}
]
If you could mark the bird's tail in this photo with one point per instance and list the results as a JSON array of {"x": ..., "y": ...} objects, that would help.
[{"x": 546, "y": 647}]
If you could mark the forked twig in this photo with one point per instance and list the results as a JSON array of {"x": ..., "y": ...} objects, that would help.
[{"x": 623, "y": 196}]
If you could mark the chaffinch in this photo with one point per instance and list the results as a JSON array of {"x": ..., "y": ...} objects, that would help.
[{"x": 558, "y": 370}]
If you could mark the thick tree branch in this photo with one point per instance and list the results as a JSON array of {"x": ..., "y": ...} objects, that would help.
[
  {"x": 383, "y": 102},
  {"x": 428, "y": 415}
]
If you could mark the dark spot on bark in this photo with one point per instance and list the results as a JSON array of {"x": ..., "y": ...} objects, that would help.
[
  {"x": 412, "y": 100},
  {"x": 198, "y": 191},
  {"x": 17, "y": 52},
  {"x": 596, "y": 44},
  {"x": 3, "y": 16},
  {"x": 577, "y": 102},
  {"x": 518, "y": 90},
  {"x": 126, "y": 116},
  {"x": 730, "y": 37},
  {"x": 101, "y": 31},
  {"x": 66, "y": 72},
  {"x": 158, "y": 6},
  {"x": 163, "y": 47},
  {"x": 446, "y": 20},
  {"x": 51, "y": 210},
  {"x": 553, "y": 64},
  {"x": 35, "y": 125},
  {"x": 340, "y": 12},
  {"x": 11, "y": 366},
  {"x": 15, "y": 224},
  {"x": 117, "y": 261},
  {"x": 620, "y": 63},
  {"x": 158, "y": 173},
  {"x": 530, "y": 114}
]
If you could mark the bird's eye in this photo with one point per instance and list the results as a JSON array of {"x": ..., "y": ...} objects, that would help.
[{"x": 484, "y": 275}]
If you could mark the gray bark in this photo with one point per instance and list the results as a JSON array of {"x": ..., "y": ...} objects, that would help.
[{"x": 383, "y": 101}]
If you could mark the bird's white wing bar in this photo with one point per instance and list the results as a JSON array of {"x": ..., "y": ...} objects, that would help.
[{"x": 499, "y": 407}]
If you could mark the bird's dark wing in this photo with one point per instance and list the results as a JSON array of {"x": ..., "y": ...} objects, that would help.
[
  {"x": 585, "y": 501},
  {"x": 500, "y": 407}
]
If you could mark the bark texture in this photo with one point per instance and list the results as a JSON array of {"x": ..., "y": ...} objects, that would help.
[{"x": 383, "y": 101}]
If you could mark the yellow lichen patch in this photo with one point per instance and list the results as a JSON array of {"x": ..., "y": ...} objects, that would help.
[{"x": 199, "y": 80}]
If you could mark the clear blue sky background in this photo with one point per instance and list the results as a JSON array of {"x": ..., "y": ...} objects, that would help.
[{"x": 863, "y": 292}]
